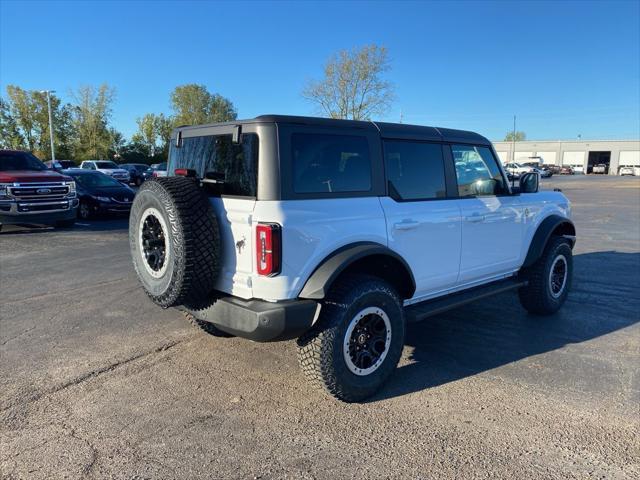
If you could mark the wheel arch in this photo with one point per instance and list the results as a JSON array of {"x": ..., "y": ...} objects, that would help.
[
  {"x": 553, "y": 225},
  {"x": 364, "y": 257}
]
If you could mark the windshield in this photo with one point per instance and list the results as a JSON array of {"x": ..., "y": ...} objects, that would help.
[
  {"x": 160, "y": 166},
  {"x": 10, "y": 161},
  {"x": 106, "y": 165},
  {"x": 94, "y": 180}
]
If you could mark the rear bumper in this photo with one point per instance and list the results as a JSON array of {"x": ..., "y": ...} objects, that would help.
[{"x": 258, "y": 320}]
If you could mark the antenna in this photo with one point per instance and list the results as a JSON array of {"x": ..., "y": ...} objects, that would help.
[{"x": 401, "y": 116}]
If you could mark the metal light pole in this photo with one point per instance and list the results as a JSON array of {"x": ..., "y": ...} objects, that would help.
[{"x": 53, "y": 153}]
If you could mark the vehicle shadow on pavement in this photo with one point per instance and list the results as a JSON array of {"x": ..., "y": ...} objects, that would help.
[{"x": 498, "y": 331}]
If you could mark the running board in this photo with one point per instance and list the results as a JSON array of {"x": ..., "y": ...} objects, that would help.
[{"x": 422, "y": 310}]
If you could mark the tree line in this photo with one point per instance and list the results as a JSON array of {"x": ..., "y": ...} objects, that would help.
[{"x": 83, "y": 130}]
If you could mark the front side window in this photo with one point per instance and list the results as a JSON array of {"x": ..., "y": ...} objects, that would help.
[
  {"x": 234, "y": 164},
  {"x": 477, "y": 171},
  {"x": 415, "y": 171},
  {"x": 330, "y": 163}
]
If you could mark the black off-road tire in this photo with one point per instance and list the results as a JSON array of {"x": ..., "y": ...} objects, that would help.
[
  {"x": 321, "y": 353},
  {"x": 191, "y": 241},
  {"x": 206, "y": 327},
  {"x": 537, "y": 297}
]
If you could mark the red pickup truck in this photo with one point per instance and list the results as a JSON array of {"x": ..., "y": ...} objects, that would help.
[{"x": 31, "y": 194}]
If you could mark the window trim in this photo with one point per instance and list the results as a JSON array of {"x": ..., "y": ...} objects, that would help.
[
  {"x": 445, "y": 170},
  {"x": 507, "y": 193}
]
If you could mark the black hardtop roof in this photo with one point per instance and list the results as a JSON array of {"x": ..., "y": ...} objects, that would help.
[{"x": 387, "y": 130}]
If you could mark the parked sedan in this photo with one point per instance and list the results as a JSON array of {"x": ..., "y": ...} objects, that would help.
[
  {"x": 627, "y": 170},
  {"x": 566, "y": 170},
  {"x": 100, "y": 194},
  {"x": 139, "y": 172}
]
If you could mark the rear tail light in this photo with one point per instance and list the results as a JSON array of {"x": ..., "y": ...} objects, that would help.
[
  {"x": 268, "y": 249},
  {"x": 185, "y": 172}
]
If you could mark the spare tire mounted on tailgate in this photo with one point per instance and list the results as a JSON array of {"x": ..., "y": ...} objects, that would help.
[{"x": 174, "y": 241}]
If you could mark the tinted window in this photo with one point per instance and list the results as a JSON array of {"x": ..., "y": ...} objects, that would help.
[
  {"x": 236, "y": 164},
  {"x": 415, "y": 171},
  {"x": 477, "y": 171},
  {"x": 106, "y": 165},
  {"x": 20, "y": 161},
  {"x": 330, "y": 163}
]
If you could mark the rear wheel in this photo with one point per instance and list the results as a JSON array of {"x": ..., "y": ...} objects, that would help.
[
  {"x": 357, "y": 341},
  {"x": 549, "y": 279}
]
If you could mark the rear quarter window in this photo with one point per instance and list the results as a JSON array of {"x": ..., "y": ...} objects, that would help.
[
  {"x": 218, "y": 156},
  {"x": 325, "y": 163}
]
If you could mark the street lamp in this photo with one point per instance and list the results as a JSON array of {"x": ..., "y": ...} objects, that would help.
[{"x": 53, "y": 154}]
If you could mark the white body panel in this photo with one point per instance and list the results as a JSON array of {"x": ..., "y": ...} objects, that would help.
[
  {"x": 237, "y": 249},
  {"x": 311, "y": 231},
  {"x": 427, "y": 234},
  {"x": 492, "y": 232},
  {"x": 449, "y": 244}
]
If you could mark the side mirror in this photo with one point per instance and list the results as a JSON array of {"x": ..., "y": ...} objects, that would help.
[{"x": 530, "y": 182}]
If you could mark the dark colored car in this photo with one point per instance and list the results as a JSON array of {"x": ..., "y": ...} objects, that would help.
[
  {"x": 139, "y": 172},
  {"x": 59, "y": 165},
  {"x": 100, "y": 194}
]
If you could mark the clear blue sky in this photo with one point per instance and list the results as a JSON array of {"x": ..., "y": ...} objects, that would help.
[{"x": 565, "y": 68}]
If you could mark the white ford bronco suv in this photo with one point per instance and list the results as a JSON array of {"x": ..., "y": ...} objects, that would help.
[{"x": 337, "y": 232}]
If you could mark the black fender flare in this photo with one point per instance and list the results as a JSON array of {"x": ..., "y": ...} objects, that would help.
[
  {"x": 551, "y": 224},
  {"x": 318, "y": 284}
]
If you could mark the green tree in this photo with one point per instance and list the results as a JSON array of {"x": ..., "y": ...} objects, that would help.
[
  {"x": 10, "y": 136},
  {"x": 91, "y": 120},
  {"x": 28, "y": 112},
  {"x": 353, "y": 86},
  {"x": 193, "y": 104},
  {"x": 515, "y": 137}
]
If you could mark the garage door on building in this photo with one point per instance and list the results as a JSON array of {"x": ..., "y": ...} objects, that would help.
[
  {"x": 630, "y": 159},
  {"x": 503, "y": 156},
  {"x": 573, "y": 158},
  {"x": 549, "y": 158},
  {"x": 523, "y": 156}
]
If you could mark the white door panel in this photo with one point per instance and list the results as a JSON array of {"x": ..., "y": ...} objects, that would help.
[
  {"x": 427, "y": 234},
  {"x": 492, "y": 234}
]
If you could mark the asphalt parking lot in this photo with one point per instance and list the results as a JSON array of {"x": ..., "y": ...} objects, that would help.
[{"x": 97, "y": 382}]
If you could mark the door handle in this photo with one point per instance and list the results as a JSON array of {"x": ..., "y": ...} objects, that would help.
[
  {"x": 406, "y": 225},
  {"x": 475, "y": 218}
]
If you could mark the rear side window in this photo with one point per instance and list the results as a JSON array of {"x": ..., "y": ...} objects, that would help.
[
  {"x": 218, "y": 157},
  {"x": 330, "y": 163},
  {"x": 415, "y": 171},
  {"x": 477, "y": 171}
]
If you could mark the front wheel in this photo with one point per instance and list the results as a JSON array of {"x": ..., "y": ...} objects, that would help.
[
  {"x": 549, "y": 279},
  {"x": 357, "y": 341}
]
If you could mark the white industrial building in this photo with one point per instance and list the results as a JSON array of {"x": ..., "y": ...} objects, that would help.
[{"x": 580, "y": 154}]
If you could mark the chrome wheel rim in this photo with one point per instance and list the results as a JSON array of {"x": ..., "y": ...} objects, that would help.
[
  {"x": 558, "y": 276},
  {"x": 152, "y": 242},
  {"x": 367, "y": 341}
]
